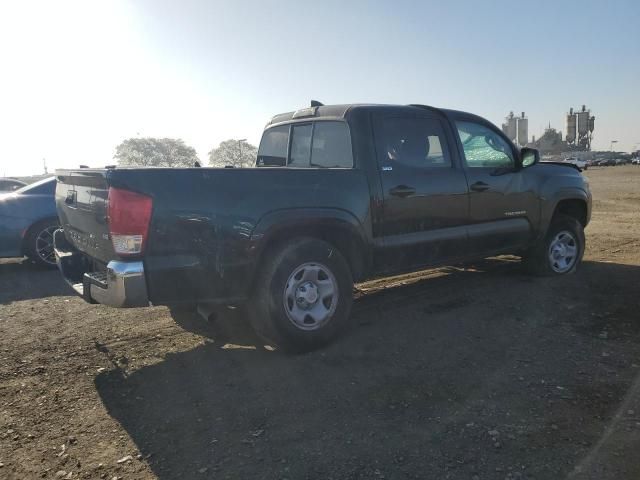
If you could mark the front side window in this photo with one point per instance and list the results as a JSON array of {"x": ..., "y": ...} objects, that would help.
[
  {"x": 414, "y": 142},
  {"x": 484, "y": 148},
  {"x": 273, "y": 147}
]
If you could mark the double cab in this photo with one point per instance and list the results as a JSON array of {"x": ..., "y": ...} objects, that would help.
[{"x": 339, "y": 194}]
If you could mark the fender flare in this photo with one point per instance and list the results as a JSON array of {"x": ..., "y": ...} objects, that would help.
[
  {"x": 277, "y": 222},
  {"x": 551, "y": 204}
]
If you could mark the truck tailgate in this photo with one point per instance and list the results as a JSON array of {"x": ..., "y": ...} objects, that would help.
[{"x": 81, "y": 202}]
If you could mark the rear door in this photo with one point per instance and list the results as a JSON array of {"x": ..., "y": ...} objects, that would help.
[
  {"x": 500, "y": 202},
  {"x": 425, "y": 204}
]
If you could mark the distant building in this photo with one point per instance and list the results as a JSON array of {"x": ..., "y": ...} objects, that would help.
[
  {"x": 579, "y": 133},
  {"x": 516, "y": 128},
  {"x": 579, "y": 126},
  {"x": 550, "y": 143}
]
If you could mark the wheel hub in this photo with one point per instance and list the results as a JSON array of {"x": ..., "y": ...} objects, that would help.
[
  {"x": 563, "y": 252},
  {"x": 307, "y": 294},
  {"x": 44, "y": 245},
  {"x": 310, "y": 296},
  {"x": 559, "y": 251}
]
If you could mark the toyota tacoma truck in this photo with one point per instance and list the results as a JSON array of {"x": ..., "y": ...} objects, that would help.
[{"x": 340, "y": 194}]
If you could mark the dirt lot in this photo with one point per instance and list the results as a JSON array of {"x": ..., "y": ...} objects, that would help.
[{"x": 475, "y": 373}]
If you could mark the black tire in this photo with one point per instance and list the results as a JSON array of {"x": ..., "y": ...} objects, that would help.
[
  {"x": 35, "y": 239},
  {"x": 538, "y": 260},
  {"x": 271, "y": 310}
]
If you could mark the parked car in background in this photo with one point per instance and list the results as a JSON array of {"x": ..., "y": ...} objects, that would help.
[
  {"x": 28, "y": 219},
  {"x": 342, "y": 193},
  {"x": 605, "y": 162},
  {"x": 581, "y": 164},
  {"x": 635, "y": 161},
  {"x": 10, "y": 185}
]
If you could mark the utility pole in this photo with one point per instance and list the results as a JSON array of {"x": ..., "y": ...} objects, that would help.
[{"x": 44, "y": 164}]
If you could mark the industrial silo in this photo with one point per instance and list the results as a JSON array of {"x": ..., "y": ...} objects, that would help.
[
  {"x": 523, "y": 130},
  {"x": 570, "y": 126},
  {"x": 582, "y": 119},
  {"x": 510, "y": 126}
]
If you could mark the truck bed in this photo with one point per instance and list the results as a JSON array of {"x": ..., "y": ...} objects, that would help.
[{"x": 202, "y": 238}]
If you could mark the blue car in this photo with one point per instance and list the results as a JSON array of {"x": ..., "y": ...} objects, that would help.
[{"x": 28, "y": 219}]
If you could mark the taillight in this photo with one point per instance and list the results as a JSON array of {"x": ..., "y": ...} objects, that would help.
[{"x": 128, "y": 215}]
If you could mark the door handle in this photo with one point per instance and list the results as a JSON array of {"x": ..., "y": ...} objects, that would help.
[
  {"x": 402, "y": 191},
  {"x": 479, "y": 187}
]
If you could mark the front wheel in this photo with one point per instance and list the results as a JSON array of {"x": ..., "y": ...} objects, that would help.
[
  {"x": 302, "y": 296},
  {"x": 561, "y": 250}
]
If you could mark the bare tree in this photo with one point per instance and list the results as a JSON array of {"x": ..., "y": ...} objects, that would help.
[
  {"x": 155, "y": 152},
  {"x": 235, "y": 153}
]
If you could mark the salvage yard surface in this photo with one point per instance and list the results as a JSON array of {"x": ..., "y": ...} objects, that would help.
[{"x": 459, "y": 373}]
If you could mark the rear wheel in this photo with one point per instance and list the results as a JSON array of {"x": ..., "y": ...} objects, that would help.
[
  {"x": 561, "y": 250},
  {"x": 39, "y": 243},
  {"x": 303, "y": 295}
]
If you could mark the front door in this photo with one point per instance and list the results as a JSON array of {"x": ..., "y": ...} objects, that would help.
[
  {"x": 425, "y": 208},
  {"x": 501, "y": 204}
]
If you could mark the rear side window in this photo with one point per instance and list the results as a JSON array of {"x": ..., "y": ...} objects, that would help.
[
  {"x": 331, "y": 145},
  {"x": 322, "y": 144},
  {"x": 273, "y": 147},
  {"x": 413, "y": 142}
]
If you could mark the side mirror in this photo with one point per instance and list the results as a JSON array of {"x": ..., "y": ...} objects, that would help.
[{"x": 528, "y": 157}]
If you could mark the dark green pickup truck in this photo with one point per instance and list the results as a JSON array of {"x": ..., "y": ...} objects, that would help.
[{"x": 340, "y": 194}]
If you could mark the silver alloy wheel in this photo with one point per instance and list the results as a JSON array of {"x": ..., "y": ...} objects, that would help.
[
  {"x": 310, "y": 296},
  {"x": 44, "y": 245},
  {"x": 563, "y": 252}
]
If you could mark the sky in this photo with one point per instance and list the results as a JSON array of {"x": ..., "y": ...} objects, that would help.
[{"x": 78, "y": 77}]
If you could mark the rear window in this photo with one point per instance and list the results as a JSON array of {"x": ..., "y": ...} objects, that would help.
[
  {"x": 273, "y": 147},
  {"x": 300, "y": 145},
  {"x": 41, "y": 187},
  {"x": 322, "y": 144}
]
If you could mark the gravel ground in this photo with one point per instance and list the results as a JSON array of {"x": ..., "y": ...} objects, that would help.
[{"x": 456, "y": 373}]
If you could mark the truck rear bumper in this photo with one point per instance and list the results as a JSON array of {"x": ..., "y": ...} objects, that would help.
[{"x": 123, "y": 284}]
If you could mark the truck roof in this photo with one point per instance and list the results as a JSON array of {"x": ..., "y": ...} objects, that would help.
[
  {"x": 317, "y": 112},
  {"x": 341, "y": 111}
]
